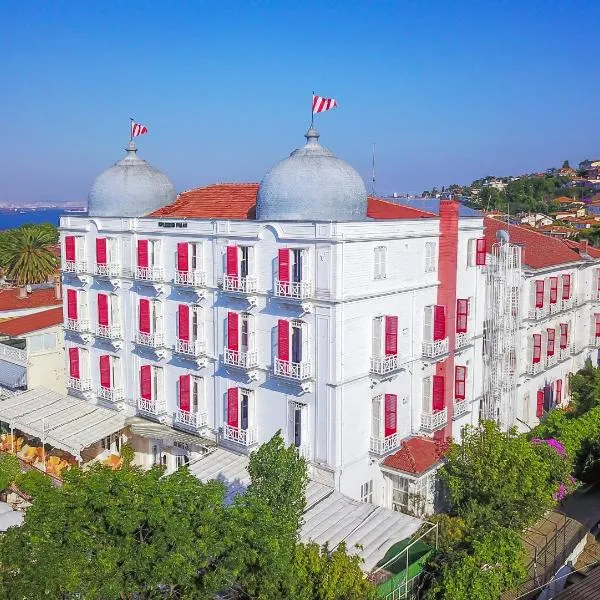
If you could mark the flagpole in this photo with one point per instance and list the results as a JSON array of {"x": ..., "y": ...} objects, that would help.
[
  {"x": 130, "y": 129},
  {"x": 312, "y": 112}
]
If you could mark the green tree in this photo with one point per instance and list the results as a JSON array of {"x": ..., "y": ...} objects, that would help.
[
  {"x": 9, "y": 469},
  {"x": 33, "y": 483}
]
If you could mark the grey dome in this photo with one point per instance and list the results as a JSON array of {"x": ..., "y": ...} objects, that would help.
[
  {"x": 130, "y": 188},
  {"x": 311, "y": 185}
]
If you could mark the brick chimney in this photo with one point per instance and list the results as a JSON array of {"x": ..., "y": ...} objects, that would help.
[
  {"x": 22, "y": 291},
  {"x": 583, "y": 249},
  {"x": 57, "y": 288}
]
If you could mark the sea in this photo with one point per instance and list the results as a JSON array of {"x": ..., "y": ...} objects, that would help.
[{"x": 11, "y": 219}]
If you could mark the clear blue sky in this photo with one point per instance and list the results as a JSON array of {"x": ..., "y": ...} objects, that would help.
[{"x": 450, "y": 91}]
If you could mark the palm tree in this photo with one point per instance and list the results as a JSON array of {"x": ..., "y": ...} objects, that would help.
[{"x": 26, "y": 255}]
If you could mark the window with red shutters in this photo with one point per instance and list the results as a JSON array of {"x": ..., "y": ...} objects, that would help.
[
  {"x": 103, "y": 309},
  {"x": 105, "y": 371},
  {"x": 142, "y": 254},
  {"x": 481, "y": 252},
  {"x": 566, "y": 289},
  {"x": 597, "y": 317},
  {"x": 390, "y": 414},
  {"x": 283, "y": 340},
  {"x": 232, "y": 407},
  {"x": 551, "y": 334},
  {"x": 72, "y": 304},
  {"x": 183, "y": 256},
  {"x": 558, "y": 391},
  {"x": 101, "y": 251},
  {"x": 460, "y": 378},
  {"x": 462, "y": 315},
  {"x": 553, "y": 290},
  {"x": 564, "y": 335},
  {"x": 438, "y": 392},
  {"x": 70, "y": 248},
  {"x": 439, "y": 322},
  {"x": 74, "y": 363},
  {"x": 144, "y": 316},
  {"x": 539, "y": 409},
  {"x": 284, "y": 264},
  {"x": 391, "y": 335},
  {"x": 183, "y": 323},
  {"x": 146, "y": 382},
  {"x": 537, "y": 347},
  {"x": 184, "y": 392},
  {"x": 539, "y": 293},
  {"x": 233, "y": 339},
  {"x": 232, "y": 261}
]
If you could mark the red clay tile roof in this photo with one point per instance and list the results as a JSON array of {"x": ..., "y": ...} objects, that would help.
[
  {"x": 417, "y": 455},
  {"x": 577, "y": 246},
  {"x": 238, "y": 201},
  {"x": 9, "y": 299},
  {"x": 539, "y": 250},
  {"x": 32, "y": 322}
]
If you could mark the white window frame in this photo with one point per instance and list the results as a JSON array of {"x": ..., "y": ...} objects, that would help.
[
  {"x": 366, "y": 492},
  {"x": 378, "y": 336},
  {"x": 430, "y": 252},
  {"x": 427, "y": 394},
  {"x": 377, "y": 417},
  {"x": 379, "y": 262},
  {"x": 302, "y": 409}
]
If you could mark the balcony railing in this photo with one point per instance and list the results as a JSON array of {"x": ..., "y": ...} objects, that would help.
[
  {"x": 191, "y": 278},
  {"x": 461, "y": 407},
  {"x": 244, "y": 360},
  {"x": 79, "y": 325},
  {"x": 463, "y": 339},
  {"x": 382, "y": 365},
  {"x": 190, "y": 348},
  {"x": 304, "y": 451},
  {"x": 76, "y": 266},
  {"x": 556, "y": 307},
  {"x": 535, "y": 368},
  {"x": 152, "y": 340},
  {"x": 79, "y": 384},
  {"x": 115, "y": 394},
  {"x": 539, "y": 312},
  {"x": 564, "y": 353},
  {"x": 434, "y": 420},
  {"x": 567, "y": 303},
  {"x": 383, "y": 445},
  {"x": 108, "y": 270},
  {"x": 435, "y": 348},
  {"x": 245, "y": 437},
  {"x": 595, "y": 341},
  {"x": 292, "y": 370},
  {"x": 194, "y": 420},
  {"x": 245, "y": 285},
  {"x": 111, "y": 332},
  {"x": 13, "y": 355},
  {"x": 293, "y": 289},
  {"x": 149, "y": 273},
  {"x": 551, "y": 360},
  {"x": 152, "y": 407}
]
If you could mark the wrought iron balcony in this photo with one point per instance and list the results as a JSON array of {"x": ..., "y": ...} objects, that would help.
[
  {"x": 539, "y": 312},
  {"x": 193, "y": 420},
  {"x": 190, "y": 278},
  {"x": 79, "y": 384},
  {"x": 79, "y": 325},
  {"x": 243, "y": 360},
  {"x": 245, "y": 437},
  {"x": 551, "y": 360},
  {"x": 595, "y": 341},
  {"x": 76, "y": 266},
  {"x": 13, "y": 355},
  {"x": 461, "y": 407},
  {"x": 433, "y": 349},
  {"x": 115, "y": 394},
  {"x": 149, "y": 273},
  {"x": 533, "y": 368},
  {"x": 190, "y": 348},
  {"x": 431, "y": 421},
  {"x": 108, "y": 270},
  {"x": 568, "y": 303},
  {"x": 110, "y": 332},
  {"x": 463, "y": 339},
  {"x": 382, "y": 365},
  {"x": 292, "y": 370},
  {"x": 152, "y": 407},
  {"x": 244, "y": 285},
  {"x": 293, "y": 289},
  {"x": 383, "y": 445},
  {"x": 151, "y": 340}
]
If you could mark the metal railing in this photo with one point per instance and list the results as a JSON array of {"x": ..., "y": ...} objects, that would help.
[
  {"x": 79, "y": 384},
  {"x": 304, "y": 451},
  {"x": 152, "y": 407},
  {"x": 149, "y": 273},
  {"x": 383, "y": 445},
  {"x": 431, "y": 421},
  {"x": 564, "y": 353},
  {"x": 192, "y": 278},
  {"x": 79, "y": 325},
  {"x": 108, "y": 269},
  {"x": 292, "y": 370},
  {"x": 533, "y": 368},
  {"x": 384, "y": 364},
  {"x": 195, "y": 420},
  {"x": 245, "y": 437},
  {"x": 432, "y": 349},
  {"x": 190, "y": 348},
  {"x": 538, "y": 312},
  {"x": 233, "y": 283},
  {"x": 75, "y": 266},
  {"x": 111, "y": 394},
  {"x": 244, "y": 360},
  {"x": 152, "y": 340},
  {"x": 595, "y": 341},
  {"x": 463, "y": 339},
  {"x": 551, "y": 360},
  {"x": 461, "y": 407},
  {"x": 111, "y": 332},
  {"x": 293, "y": 289},
  {"x": 556, "y": 307},
  {"x": 13, "y": 355},
  {"x": 567, "y": 303}
]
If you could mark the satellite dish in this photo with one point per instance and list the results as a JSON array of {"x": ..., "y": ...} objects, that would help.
[{"x": 503, "y": 236}]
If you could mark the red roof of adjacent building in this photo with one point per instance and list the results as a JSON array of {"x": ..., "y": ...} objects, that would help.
[
  {"x": 238, "y": 201},
  {"x": 32, "y": 322},
  {"x": 10, "y": 300},
  {"x": 417, "y": 455},
  {"x": 583, "y": 247}
]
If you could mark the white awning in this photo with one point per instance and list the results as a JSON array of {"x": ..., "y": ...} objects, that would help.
[
  {"x": 158, "y": 431},
  {"x": 64, "y": 422}
]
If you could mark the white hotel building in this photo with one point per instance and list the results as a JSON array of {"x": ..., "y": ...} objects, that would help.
[{"x": 352, "y": 324}]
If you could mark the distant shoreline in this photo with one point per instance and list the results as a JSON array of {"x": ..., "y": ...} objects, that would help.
[{"x": 26, "y": 209}]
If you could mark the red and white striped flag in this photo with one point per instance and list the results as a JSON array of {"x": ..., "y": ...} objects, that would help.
[
  {"x": 323, "y": 104},
  {"x": 137, "y": 129}
]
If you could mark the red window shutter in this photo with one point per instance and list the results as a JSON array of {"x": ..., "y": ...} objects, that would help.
[
  {"x": 564, "y": 335},
  {"x": 101, "y": 251},
  {"x": 439, "y": 322},
  {"x": 551, "y": 337},
  {"x": 232, "y": 407},
  {"x": 391, "y": 336},
  {"x": 233, "y": 331},
  {"x": 146, "y": 382},
  {"x": 144, "y": 315},
  {"x": 232, "y": 261},
  {"x": 142, "y": 254},
  {"x": 539, "y": 293},
  {"x": 438, "y": 392},
  {"x": 597, "y": 317},
  {"x": 537, "y": 347},
  {"x": 72, "y": 304},
  {"x": 183, "y": 256},
  {"x": 481, "y": 252},
  {"x": 103, "y": 309},
  {"x": 70, "y": 248},
  {"x": 462, "y": 315},
  {"x": 284, "y": 264},
  {"x": 283, "y": 340},
  {"x": 105, "y": 371},
  {"x": 553, "y": 290},
  {"x": 184, "y": 393},
  {"x": 566, "y": 291},
  {"x": 183, "y": 324},
  {"x": 558, "y": 391},
  {"x": 460, "y": 376},
  {"x": 539, "y": 410},
  {"x": 390, "y": 416},
  {"x": 74, "y": 362}
]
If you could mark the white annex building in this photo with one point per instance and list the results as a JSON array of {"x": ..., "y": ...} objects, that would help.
[{"x": 363, "y": 329}]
